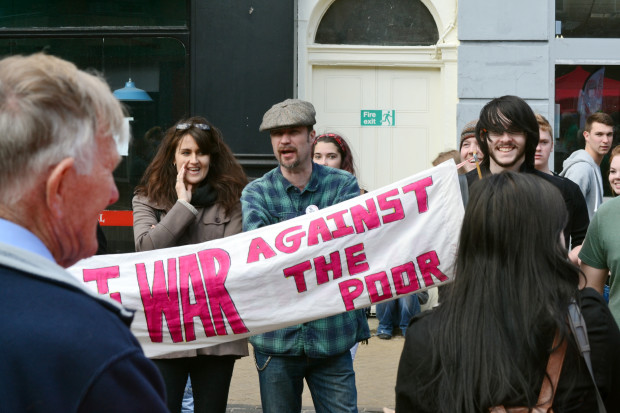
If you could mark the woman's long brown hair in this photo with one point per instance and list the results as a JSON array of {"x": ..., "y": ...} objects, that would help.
[{"x": 225, "y": 175}]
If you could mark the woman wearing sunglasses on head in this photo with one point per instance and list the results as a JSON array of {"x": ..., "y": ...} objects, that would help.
[{"x": 190, "y": 194}]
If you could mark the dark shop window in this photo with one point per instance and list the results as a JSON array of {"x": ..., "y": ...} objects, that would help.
[
  {"x": 581, "y": 90},
  {"x": 587, "y": 18},
  {"x": 157, "y": 65},
  {"x": 92, "y": 13},
  {"x": 371, "y": 22}
]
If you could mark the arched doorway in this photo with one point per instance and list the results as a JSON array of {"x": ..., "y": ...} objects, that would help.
[{"x": 390, "y": 56}]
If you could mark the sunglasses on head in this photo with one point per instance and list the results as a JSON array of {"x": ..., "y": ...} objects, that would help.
[{"x": 185, "y": 126}]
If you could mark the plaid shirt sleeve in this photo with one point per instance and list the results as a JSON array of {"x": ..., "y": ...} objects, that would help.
[
  {"x": 349, "y": 189},
  {"x": 254, "y": 207}
]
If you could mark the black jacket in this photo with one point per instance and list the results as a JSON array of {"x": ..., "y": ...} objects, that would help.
[{"x": 578, "y": 220}]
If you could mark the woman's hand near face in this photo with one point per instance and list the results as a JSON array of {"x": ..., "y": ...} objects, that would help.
[{"x": 184, "y": 191}]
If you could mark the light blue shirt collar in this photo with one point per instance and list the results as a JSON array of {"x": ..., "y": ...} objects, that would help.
[{"x": 20, "y": 237}]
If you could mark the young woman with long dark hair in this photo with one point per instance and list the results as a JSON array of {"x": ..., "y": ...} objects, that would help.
[
  {"x": 489, "y": 341},
  {"x": 190, "y": 193},
  {"x": 331, "y": 149}
]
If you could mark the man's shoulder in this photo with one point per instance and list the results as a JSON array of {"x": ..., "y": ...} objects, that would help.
[
  {"x": 578, "y": 163},
  {"x": 333, "y": 173},
  {"x": 335, "y": 181},
  {"x": 47, "y": 327},
  {"x": 59, "y": 313},
  {"x": 610, "y": 207},
  {"x": 565, "y": 185},
  {"x": 267, "y": 179}
]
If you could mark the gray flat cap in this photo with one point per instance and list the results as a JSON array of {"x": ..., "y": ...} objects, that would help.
[{"x": 291, "y": 112}]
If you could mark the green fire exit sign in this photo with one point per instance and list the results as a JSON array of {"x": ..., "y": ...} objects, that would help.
[{"x": 378, "y": 118}]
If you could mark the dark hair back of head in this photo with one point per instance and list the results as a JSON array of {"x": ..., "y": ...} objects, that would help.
[
  {"x": 511, "y": 292},
  {"x": 512, "y": 114},
  {"x": 445, "y": 155}
]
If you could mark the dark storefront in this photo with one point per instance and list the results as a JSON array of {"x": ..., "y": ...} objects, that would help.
[{"x": 227, "y": 61}]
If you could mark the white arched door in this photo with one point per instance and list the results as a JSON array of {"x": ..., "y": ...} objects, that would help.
[
  {"x": 383, "y": 154},
  {"x": 403, "y": 62}
]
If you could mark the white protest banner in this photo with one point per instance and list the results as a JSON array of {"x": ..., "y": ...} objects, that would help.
[{"x": 389, "y": 242}]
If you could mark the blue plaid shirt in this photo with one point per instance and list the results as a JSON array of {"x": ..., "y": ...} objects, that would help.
[{"x": 272, "y": 199}]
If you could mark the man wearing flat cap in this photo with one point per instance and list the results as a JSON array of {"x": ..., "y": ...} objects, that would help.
[{"x": 318, "y": 350}]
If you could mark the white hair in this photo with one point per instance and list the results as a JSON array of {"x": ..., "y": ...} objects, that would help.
[{"x": 50, "y": 110}]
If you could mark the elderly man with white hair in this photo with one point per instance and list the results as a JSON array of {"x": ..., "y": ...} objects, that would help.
[{"x": 63, "y": 349}]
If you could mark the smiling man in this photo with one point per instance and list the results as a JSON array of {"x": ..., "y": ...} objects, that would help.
[
  {"x": 317, "y": 351},
  {"x": 583, "y": 166},
  {"x": 507, "y": 133},
  {"x": 469, "y": 146}
]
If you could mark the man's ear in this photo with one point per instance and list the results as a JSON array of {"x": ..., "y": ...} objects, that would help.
[
  {"x": 56, "y": 186},
  {"x": 586, "y": 135}
]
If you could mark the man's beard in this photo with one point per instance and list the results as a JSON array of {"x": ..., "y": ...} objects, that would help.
[
  {"x": 292, "y": 165},
  {"x": 520, "y": 155}
]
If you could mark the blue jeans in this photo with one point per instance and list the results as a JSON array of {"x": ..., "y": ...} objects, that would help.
[
  {"x": 397, "y": 313},
  {"x": 187, "y": 405},
  {"x": 331, "y": 381}
]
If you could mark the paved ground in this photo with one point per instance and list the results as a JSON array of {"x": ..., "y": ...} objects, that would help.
[{"x": 375, "y": 371}]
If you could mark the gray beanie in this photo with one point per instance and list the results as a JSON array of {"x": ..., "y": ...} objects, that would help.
[{"x": 291, "y": 112}]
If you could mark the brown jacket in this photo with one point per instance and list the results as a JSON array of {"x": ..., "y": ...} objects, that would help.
[{"x": 179, "y": 226}]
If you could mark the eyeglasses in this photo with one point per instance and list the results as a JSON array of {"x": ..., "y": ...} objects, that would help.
[
  {"x": 186, "y": 126},
  {"x": 511, "y": 134}
]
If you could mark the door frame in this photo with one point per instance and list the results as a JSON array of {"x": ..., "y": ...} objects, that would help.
[{"x": 442, "y": 56}]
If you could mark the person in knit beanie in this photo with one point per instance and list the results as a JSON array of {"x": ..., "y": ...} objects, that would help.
[{"x": 468, "y": 146}]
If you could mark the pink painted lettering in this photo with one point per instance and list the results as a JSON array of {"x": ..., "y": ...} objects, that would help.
[
  {"x": 342, "y": 229},
  {"x": 429, "y": 265},
  {"x": 322, "y": 268},
  {"x": 419, "y": 187},
  {"x": 189, "y": 272},
  {"x": 293, "y": 241},
  {"x": 395, "y": 205},
  {"x": 161, "y": 300},
  {"x": 220, "y": 301},
  {"x": 318, "y": 227},
  {"x": 404, "y": 277},
  {"x": 297, "y": 272},
  {"x": 365, "y": 217},
  {"x": 101, "y": 277},
  {"x": 356, "y": 259},
  {"x": 371, "y": 285},
  {"x": 349, "y": 291},
  {"x": 259, "y": 247}
]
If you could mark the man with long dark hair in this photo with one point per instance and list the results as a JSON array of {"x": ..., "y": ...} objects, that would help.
[{"x": 507, "y": 133}]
